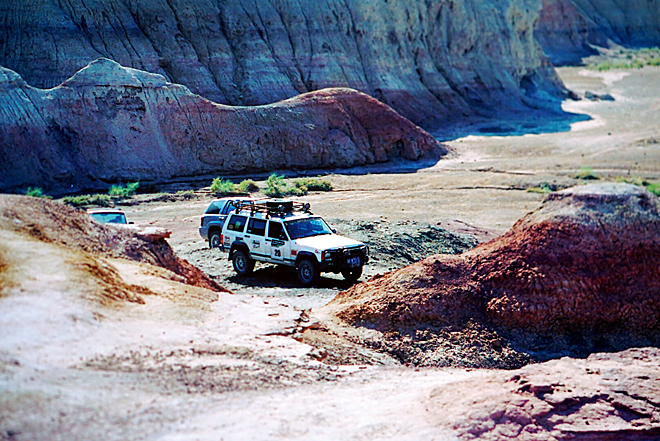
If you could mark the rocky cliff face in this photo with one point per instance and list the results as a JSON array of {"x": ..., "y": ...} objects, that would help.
[
  {"x": 434, "y": 61},
  {"x": 567, "y": 29},
  {"x": 108, "y": 123}
]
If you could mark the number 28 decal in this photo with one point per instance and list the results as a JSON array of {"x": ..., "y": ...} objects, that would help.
[{"x": 277, "y": 253}]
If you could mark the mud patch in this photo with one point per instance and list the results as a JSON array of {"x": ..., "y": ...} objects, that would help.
[
  {"x": 472, "y": 346},
  {"x": 393, "y": 245},
  {"x": 213, "y": 369}
]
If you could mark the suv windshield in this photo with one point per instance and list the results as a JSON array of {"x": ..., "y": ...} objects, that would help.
[
  {"x": 110, "y": 218},
  {"x": 313, "y": 226}
]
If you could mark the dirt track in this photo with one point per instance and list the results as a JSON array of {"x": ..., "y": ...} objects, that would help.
[{"x": 170, "y": 370}]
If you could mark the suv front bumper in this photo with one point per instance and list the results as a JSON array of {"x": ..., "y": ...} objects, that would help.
[{"x": 343, "y": 259}]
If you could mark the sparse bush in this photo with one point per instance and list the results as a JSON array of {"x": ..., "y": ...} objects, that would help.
[
  {"x": 543, "y": 187},
  {"x": 36, "y": 192},
  {"x": 653, "y": 187},
  {"x": 313, "y": 184},
  {"x": 630, "y": 60},
  {"x": 247, "y": 186},
  {"x": 222, "y": 187},
  {"x": 102, "y": 200},
  {"x": 185, "y": 194},
  {"x": 586, "y": 173},
  {"x": 118, "y": 191},
  {"x": 275, "y": 186}
]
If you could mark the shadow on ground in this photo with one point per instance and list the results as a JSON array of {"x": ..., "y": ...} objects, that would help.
[{"x": 286, "y": 278}]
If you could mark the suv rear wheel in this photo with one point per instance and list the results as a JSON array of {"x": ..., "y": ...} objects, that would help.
[
  {"x": 307, "y": 272},
  {"x": 243, "y": 265},
  {"x": 215, "y": 239},
  {"x": 352, "y": 275}
]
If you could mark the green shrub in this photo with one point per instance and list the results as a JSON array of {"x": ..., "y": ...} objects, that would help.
[
  {"x": 118, "y": 191},
  {"x": 222, "y": 187},
  {"x": 102, "y": 200},
  {"x": 653, "y": 187},
  {"x": 630, "y": 60},
  {"x": 275, "y": 186},
  {"x": 586, "y": 173},
  {"x": 313, "y": 184},
  {"x": 247, "y": 186},
  {"x": 542, "y": 188},
  {"x": 185, "y": 193},
  {"x": 36, "y": 192}
]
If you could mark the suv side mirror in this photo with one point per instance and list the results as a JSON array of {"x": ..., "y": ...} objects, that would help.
[{"x": 334, "y": 231}]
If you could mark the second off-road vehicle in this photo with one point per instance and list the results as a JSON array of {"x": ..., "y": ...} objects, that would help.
[
  {"x": 210, "y": 226},
  {"x": 284, "y": 232}
]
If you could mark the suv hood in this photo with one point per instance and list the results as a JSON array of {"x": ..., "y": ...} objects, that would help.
[{"x": 327, "y": 242}]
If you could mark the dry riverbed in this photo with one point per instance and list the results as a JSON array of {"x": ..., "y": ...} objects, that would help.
[{"x": 229, "y": 369}]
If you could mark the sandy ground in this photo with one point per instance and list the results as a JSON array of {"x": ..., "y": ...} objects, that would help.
[{"x": 144, "y": 371}]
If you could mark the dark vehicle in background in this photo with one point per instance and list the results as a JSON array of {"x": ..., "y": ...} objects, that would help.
[
  {"x": 213, "y": 219},
  {"x": 108, "y": 216}
]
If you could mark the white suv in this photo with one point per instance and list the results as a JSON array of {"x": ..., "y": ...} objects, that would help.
[{"x": 287, "y": 233}]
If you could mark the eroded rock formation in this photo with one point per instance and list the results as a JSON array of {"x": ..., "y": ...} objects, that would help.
[
  {"x": 567, "y": 29},
  {"x": 578, "y": 275},
  {"x": 108, "y": 123},
  {"x": 433, "y": 61},
  {"x": 604, "y": 397},
  {"x": 73, "y": 230}
]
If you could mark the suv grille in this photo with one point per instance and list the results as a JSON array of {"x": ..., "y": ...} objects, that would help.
[{"x": 343, "y": 254}]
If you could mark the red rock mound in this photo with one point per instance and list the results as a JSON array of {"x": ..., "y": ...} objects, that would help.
[
  {"x": 579, "y": 274},
  {"x": 109, "y": 123},
  {"x": 60, "y": 224}
]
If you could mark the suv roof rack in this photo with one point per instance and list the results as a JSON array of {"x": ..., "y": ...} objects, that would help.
[{"x": 273, "y": 207}]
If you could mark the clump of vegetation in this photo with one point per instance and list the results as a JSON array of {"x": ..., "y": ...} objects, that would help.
[
  {"x": 36, "y": 192},
  {"x": 247, "y": 186},
  {"x": 628, "y": 60},
  {"x": 587, "y": 174},
  {"x": 313, "y": 184},
  {"x": 653, "y": 187},
  {"x": 184, "y": 195},
  {"x": 119, "y": 191},
  {"x": 102, "y": 200},
  {"x": 277, "y": 187},
  {"x": 543, "y": 187},
  {"x": 116, "y": 192},
  {"x": 223, "y": 187}
]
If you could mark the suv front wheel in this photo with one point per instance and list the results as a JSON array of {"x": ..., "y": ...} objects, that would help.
[
  {"x": 243, "y": 265},
  {"x": 352, "y": 275},
  {"x": 307, "y": 272}
]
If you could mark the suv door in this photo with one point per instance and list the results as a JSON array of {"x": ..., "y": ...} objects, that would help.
[
  {"x": 254, "y": 237},
  {"x": 233, "y": 229},
  {"x": 278, "y": 246}
]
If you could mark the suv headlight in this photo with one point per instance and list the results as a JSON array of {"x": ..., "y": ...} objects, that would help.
[{"x": 327, "y": 256}]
